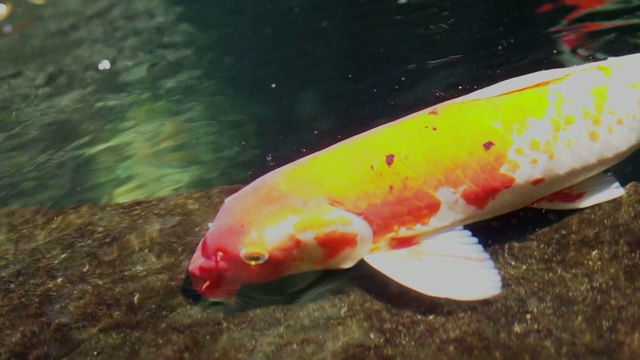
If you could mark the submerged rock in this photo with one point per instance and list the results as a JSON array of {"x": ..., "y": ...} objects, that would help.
[{"x": 103, "y": 281}]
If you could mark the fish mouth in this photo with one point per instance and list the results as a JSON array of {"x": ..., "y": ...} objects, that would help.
[
  {"x": 209, "y": 275},
  {"x": 213, "y": 287}
]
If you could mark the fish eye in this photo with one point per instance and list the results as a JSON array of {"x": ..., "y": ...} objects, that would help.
[{"x": 253, "y": 257}]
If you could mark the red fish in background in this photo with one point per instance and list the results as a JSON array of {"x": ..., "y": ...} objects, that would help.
[
  {"x": 579, "y": 36},
  {"x": 582, "y": 7}
]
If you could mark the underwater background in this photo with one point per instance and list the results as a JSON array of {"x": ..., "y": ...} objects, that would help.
[
  {"x": 122, "y": 123},
  {"x": 110, "y": 102}
]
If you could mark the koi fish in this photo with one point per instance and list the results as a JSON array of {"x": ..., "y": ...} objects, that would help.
[
  {"x": 398, "y": 195},
  {"x": 580, "y": 7}
]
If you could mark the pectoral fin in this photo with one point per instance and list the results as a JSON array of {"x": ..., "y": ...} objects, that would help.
[
  {"x": 450, "y": 265},
  {"x": 594, "y": 190}
]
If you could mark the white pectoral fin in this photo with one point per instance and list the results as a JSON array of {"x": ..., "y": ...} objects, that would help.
[
  {"x": 451, "y": 265},
  {"x": 594, "y": 190}
]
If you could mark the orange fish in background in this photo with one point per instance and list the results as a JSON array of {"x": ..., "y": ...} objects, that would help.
[
  {"x": 581, "y": 33},
  {"x": 581, "y": 7},
  {"x": 398, "y": 195}
]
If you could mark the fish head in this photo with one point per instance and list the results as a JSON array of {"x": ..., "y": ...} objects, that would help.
[{"x": 249, "y": 244}]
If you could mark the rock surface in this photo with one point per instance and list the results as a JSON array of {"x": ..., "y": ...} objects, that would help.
[{"x": 103, "y": 281}]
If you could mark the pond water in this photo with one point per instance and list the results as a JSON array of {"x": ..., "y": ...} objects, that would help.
[{"x": 112, "y": 102}]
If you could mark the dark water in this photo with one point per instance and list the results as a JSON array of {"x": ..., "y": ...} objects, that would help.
[{"x": 202, "y": 94}]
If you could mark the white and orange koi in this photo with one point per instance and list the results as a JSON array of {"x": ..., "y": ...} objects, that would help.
[{"x": 397, "y": 195}]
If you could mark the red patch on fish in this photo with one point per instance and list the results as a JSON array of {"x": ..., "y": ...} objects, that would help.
[
  {"x": 565, "y": 196},
  {"x": 538, "y": 85},
  {"x": 389, "y": 159},
  {"x": 485, "y": 187},
  {"x": 403, "y": 242},
  {"x": 334, "y": 242},
  {"x": 488, "y": 145},
  {"x": 283, "y": 260},
  {"x": 537, "y": 181},
  {"x": 403, "y": 210}
]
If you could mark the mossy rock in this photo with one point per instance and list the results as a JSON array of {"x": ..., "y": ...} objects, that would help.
[{"x": 103, "y": 281}]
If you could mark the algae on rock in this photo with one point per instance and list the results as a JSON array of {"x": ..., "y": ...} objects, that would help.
[{"x": 103, "y": 281}]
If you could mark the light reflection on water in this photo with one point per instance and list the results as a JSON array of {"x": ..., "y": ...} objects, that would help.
[{"x": 72, "y": 131}]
